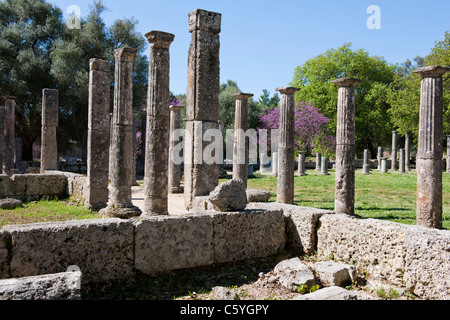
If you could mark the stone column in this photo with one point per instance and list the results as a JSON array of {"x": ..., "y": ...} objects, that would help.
[
  {"x": 156, "y": 181},
  {"x": 98, "y": 145},
  {"x": 379, "y": 157},
  {"x": 202, "y": 97},
  {"x": 408, "y": 151},
  {"x": 318, "y": 161},
  {"x": 448, "y": 154},
  {"x": 274, "y": 164},
  {"x": 394, "y": 151},
  {"x": 265, "y": 164},
  {"x": 345, "y": 146},
  {"x": 301, "y": 163},
  {"x": 240, "y": 148},
  {"x": 174, "y": 168},
  {"x": 401, "y": 161},
  {"x": 285, "y": 181},
  {"x": 2, "y": 136},
  {"x": 120, "y": 202},
  {"x": 384, "y": 165},
  {"x": 324, "y": 167},
  {"x": 49, "y": 149},
  {"x": 9, "y": 150},
  {"x": 133, "y": 162},
  {"x": 429, "y": 154},
  {"x": 366, "y": 162}
]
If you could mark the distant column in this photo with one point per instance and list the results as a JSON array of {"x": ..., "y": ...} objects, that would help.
[
  {"x": 285, "y": 181},
  {"x": 324, "y": 167},
  {"x": 133, "y": 162},
  {"x": 401, "y": 161},
  {"x": 318, "y": 161},
  {"x": 2, "y": 136},
  {"x": 274, "y": 164},
  {"x": 99, "y": 125},
  {"x": 345, "y": 146},
  {"x": 408, "y": 151},
  {"x": 394, "y": 151},
  {"x": 49, "y": 149},
  {"x": 10, "y": 137},
  {"x": 366, "y": 162},
  {"x": 429, "y": 154},
  {"x": 448, "y": 154},
  {"x": 120, "y": 201},
  {"x": 301, "y": 163},
  {"x": 240, "y": 148},
  {"x": 174, "y": 168},
  {"x": 379, "y": 157},
  {"x": 384, "y": 165}
]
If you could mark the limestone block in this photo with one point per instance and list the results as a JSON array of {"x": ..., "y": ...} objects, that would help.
[
  {"x": 60, "y": 286},
  {"x": 330, "y": 293},
  {"x": 427, "y": 272},
  {"x": 4, "y": 254},
  {"x": 42, "y": 185},
  {"x": 102, "y": 249},
  {"x": 247, "y": 234},
  {"x": 293, "y": 273},
  {"x": 5, "y": 186},
  {"x": 204, "y": 20},
  {"x": 254, "y": 195},
  {"x": 334, "y": 274},
  {"x": 165, "y": 243},
  {"x": 229, "y": 196}
]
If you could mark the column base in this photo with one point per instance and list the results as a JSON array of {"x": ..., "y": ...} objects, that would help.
[
  {"x": 122, "y": 213},
  {"x": 176, "y": 190}
]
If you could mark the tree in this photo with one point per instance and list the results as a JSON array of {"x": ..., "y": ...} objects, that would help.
[{"x": 373, "y": 126}]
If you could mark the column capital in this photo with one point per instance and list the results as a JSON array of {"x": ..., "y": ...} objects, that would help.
[
  {"x": 176, "y": 108},
  {"x": 242, "y": 96},
  {"x": 125, "y": 54},
  {"x": 204, "y": 20},
  {"x": 432, "y": 71},
  {"x": 287, "y": 90},
  {"x": 159, "y": 39},
  {"x": 346, "y": 82},
  {"x": 99, "y": 65}
]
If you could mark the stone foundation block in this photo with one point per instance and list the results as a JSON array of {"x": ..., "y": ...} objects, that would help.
[
  {"x": 102, "y": 249},
  {"x": 44, "y": 185},
  {"x": 165, "y": 243},
  {"x": 4, "y": 254}
]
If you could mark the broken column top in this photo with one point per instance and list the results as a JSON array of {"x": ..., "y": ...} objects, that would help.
[
  {"x": 159, "y": 39},
  {"x": 432, "y": 71},
  {"x": 242, "y": 95},
  {"x": 99, "y": 65},
  {"x": 346, "y": 82},
  {"x": 204, "y": 20},
  {"x": 125, "y": 54},
  {"x": 287, "y": 90}
]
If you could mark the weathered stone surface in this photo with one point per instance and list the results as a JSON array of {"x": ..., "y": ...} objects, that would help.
[
  {"x": 5, "y": 243},
  {"x": 293, "y": 273},
  {"x": 174, "y": 166},
  {"x": 45, "y": 185},
  {"x": 335, "y": 274},
  {"x": 10, "y": 203},
  {"x": 222, "y": 293},
  {"x": 102, "y": 249},
  {"x": 49, "y": 150},
  {"x": 254, "y": 195},
  {"x": 165, "y": 243},
  {"x": 60, "y": 286},
  {"x": 9, "y": 130},
  {"x": 229, "y": 196},
  {"x": 330, "y": 293},
  {"x": 247, "y": 234},
  {"x": 301, "y": 224},
  {"x": 2, "y": 135}
]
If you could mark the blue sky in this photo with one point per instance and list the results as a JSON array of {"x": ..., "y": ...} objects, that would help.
[{"x": 263, "y": 41}]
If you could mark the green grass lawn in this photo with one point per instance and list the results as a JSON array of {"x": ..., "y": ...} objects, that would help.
[{"x": 390, "y": 196}]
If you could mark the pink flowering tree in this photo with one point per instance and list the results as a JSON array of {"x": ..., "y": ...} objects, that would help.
[{"x": 311, "y": 132}]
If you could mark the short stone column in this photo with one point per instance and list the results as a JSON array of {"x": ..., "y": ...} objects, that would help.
[
  {"x": 120, "y": 201},
  {"x": 324, "y": 167},
  {"x": 345, "y": 146},
  {"x": 318, "y": 161},
  {"x": 379, "y": 157},
  {"x": 240, "y": 147},
  {"x": 285, "y": 181},
  {"x": 408, "y": 151},
  {"x": 429, "y": 154},
  {"x": 394, "y": 151},
  {"x": 301, "y": 163},
  {"x": 366, "y": 162},
  {"x": 99, "y": 123},
  {"x": 384, "y": 165},
  {"x": 174, "y": 168},
  {"x": 274, "y": 164},
  {"x": 9, "y": 150},
  {"x": 401, "y": 161},
  {"x": 49, "y": 149},
  {"x": 156, "y": 181},
  {"x": 448, "y": 154},
  {"x": 202, "y": 103}
]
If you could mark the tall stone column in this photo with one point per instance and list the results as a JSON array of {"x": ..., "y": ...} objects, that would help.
[
  {"x": 240, "y": 149},
  {"x": 174, "y": 168},
  {"x": 429, "y": 154},
  {"x": 120, "y": 202},
  {"x": 98, "y": 145},
  {"x": 285, "y": 181},
  {"x": 9, "y": 150},
  {"x": 379, "y": 157},
  {"x": 301, "y": 163},
  {"x": 202, "y": 97},
  {"x": 366, "y": 162},
  {"x": 156, "y": 181},
  {"x": 133, "y": 162},
  {"x": 2, "y": 136},
  {"x": 394, "y": 151},
  {"x": 408, "y": 151},
  {"x": 49, "y": 149},
  {"x": 448, "y": 154},
  {"x": 401, "y": 161},
  {"x": 345, "y": 146}
]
